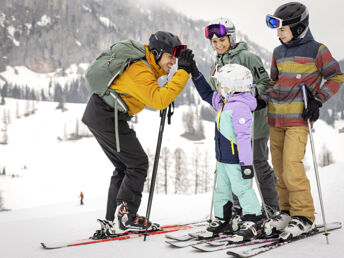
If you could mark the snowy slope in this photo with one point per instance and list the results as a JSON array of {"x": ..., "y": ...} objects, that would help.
[{"x": 44, "y": 198}]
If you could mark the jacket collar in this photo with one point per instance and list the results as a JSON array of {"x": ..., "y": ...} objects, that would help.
[
  {"x": 233, "y": 51},
  {"x": 307, "y": 38}
]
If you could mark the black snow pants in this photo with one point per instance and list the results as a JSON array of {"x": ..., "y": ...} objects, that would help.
[{"x": 131, "y": 163}]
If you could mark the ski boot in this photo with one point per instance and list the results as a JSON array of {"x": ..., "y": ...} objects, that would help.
[
  {"x": 126, "y": 221},
  {"x": 250, "y": 228},
  {"x": 298, "y": 225},
  {"x": 275, "y": 225}
]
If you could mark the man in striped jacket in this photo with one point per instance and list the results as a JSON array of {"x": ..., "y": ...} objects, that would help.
[{"x": 298, "y": 59}]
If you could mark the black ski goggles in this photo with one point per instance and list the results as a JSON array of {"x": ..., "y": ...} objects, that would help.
[
  {"x": 178, "y": 49},
  {"x": 217, "y": 29}
]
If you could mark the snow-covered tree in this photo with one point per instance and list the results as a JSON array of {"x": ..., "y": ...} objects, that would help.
[
  {"x": 181, "y": 172},
  {"x": 325, "y": 157},
  {"x": 165, "y": 165}
]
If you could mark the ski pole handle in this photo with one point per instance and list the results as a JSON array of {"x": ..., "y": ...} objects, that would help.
[{"x": 302, "y": 85}]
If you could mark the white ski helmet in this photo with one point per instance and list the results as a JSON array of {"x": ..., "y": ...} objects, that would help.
[
  {"x": 230, "y": 28},
  {"x": 233, "y": 78}
]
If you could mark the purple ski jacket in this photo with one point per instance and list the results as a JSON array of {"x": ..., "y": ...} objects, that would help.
[{"x": 233, "y": 123}]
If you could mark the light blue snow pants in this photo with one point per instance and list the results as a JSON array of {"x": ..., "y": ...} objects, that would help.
[{"x": 229, "y": 179}]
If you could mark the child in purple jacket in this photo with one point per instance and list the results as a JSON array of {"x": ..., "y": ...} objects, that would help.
[{"x": 234, "y": 104}]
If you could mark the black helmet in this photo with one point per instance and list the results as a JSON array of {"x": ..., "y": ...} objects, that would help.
[
  {"x": 295, "y": 15},
  {"x": 162, "y": 41}
]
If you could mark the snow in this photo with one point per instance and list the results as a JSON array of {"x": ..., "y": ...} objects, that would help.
[
  {"x": 44, "y": 198},
  {"x": 2, "y": 19},
  {"x": 107, "y": 22},
  {"x": 22, "y": 76},
  {"x": 11, "y": 30},
  {"x": 78, "y": 42},
  {"x": 44, "y": 21}
]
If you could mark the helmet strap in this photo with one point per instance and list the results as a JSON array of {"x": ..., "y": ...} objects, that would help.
[{"x": 157, "y": 54}]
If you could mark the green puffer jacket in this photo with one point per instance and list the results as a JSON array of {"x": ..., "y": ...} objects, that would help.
[{"x": 240, "y": 55}]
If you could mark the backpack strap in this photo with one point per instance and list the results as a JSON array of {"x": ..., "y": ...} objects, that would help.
[{"x": 114, "y": 99}]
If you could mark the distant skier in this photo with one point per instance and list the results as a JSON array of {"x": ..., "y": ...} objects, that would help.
[
  {"x": 81, "y": 198},
  {"x": 298, "y": 59},
  {"x": 138, "y": 86},
  {"x": 234, "y": 104}
]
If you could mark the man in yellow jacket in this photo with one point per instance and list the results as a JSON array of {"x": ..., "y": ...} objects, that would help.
[{"x": 139, "y": 85}]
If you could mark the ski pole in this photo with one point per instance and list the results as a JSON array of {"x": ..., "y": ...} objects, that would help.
[
  {"x": 212, "y": 198},
  {"x": 254, "y": 170},
  {"x": 302, "y": 85},
  {"x": 155, "y": 167}
]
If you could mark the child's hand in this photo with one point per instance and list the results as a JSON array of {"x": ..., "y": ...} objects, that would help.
[{"x": 247, "y": 172}]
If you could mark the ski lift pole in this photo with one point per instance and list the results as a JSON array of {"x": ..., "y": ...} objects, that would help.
[
  {"x": 302, "y": 85},
  {"x": 155, "y": 167}
]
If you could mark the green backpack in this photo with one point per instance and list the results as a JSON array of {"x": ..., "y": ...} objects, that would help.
[{"x": 107, "y": 67}]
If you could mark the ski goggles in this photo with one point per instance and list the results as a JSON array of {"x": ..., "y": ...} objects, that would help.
[
  {"x": 273, "y": 22},
  {"x": 276, "y": 23},
  {"x": 217, "y": 29},
  {"x": 178, "y": 49}
]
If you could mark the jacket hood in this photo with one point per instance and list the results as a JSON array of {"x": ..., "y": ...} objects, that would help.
[
  {"x": 244, "y": 97},
  {"x": 158, "y": 71}
]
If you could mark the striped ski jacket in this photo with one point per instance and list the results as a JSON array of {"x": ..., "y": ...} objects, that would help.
[{"x": 301, "y": 60}]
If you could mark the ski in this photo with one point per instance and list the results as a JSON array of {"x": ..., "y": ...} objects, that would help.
[
  {"x": 226, "y": 245},
  {"x": 127, "y": 235},
  {"x": 265, "y": 248},
  {"x": 185, "y": 237},
  {"x": 195, "y": 241}
]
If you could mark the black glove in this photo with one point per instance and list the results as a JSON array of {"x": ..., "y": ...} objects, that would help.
[
  {"x": 194, "y": 70},
  {"x": 260, "y": 103},
  {"x": 312, "y": 110},
  {"x": 185, "y": 60},
  {"x": 247, "y": 172}
]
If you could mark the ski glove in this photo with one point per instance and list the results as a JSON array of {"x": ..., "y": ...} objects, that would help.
[
  {"x": 247, "y": 172},
  {"x": 260, "y": 103},
  {"x": 312, "y": 110},
  {"x": 185, "y": 60},
  {"x": 194, "y": 70}
]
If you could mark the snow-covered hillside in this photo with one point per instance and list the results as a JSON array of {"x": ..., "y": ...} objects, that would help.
[{"x": 49, "y": 173}]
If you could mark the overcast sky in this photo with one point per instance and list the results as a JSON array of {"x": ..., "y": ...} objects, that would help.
[{"x": 326, "y": 18}]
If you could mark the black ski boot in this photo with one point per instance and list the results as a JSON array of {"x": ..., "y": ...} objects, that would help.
[
  {"x": 250, "y": 228},
  {"x": 127, "y": 221}
]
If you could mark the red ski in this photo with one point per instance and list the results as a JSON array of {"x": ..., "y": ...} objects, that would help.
[{"x": 129, "y": 235}]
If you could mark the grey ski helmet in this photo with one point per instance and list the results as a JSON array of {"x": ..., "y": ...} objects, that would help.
[
  {"x": 230, "y": 28},
  {"x": 162, "y": 41},
  {"x": 295, "y": 15}
]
